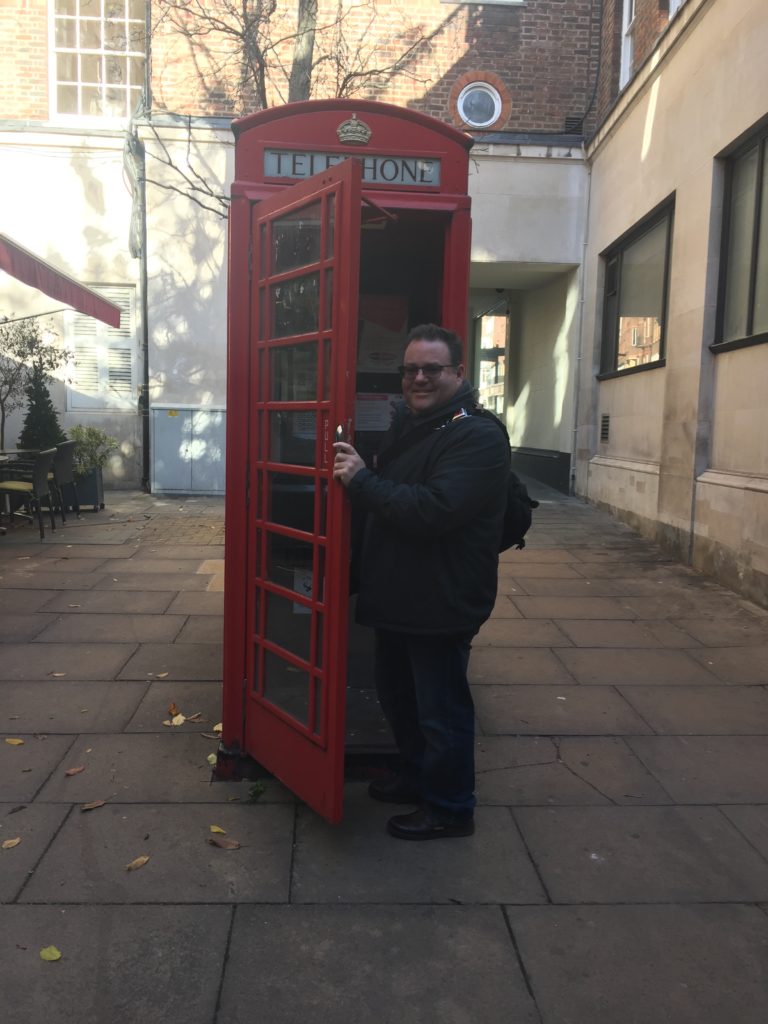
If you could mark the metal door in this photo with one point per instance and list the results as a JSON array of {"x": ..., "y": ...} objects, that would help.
[{"x": 305, "y": 255}]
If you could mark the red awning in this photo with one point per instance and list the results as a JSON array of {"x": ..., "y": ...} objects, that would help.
[{"x": 35, "y": 271}]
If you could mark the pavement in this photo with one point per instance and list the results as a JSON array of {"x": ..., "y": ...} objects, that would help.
[{"x": 618, "y": 875}]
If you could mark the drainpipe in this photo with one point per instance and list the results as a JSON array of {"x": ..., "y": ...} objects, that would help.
[
  {"x": 137, "y": 166},
  {"x": 580, "y": 342}
]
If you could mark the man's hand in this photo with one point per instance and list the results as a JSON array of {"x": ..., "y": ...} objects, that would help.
[{"x": 347, "y": 463}]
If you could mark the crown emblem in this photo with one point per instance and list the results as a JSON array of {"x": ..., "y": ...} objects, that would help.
[{"x": 354, "y": 132}]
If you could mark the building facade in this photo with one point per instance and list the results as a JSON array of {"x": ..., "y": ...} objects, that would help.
[{"x": 617, "y": 277}]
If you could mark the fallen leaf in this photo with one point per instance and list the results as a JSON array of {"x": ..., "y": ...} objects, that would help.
[
  {"x": 10, "y": 843},
  {"x": 167, "y": 721},
  {"x": 50, "y": 953},
  {"x": 224, "y": 844},
  {"x": 74, "y": 606},
  {"x": 13, "y": 718},
  {"x": 218, "y": 728},
  {"x": 163, "y": 675},
  {"x": 218, "y": 830},
  {"x": 139, "y": 862},
  {"x": 197, "y": 717},
  {"x": 178, "y": 720},
  {"x": 84, "y": 711},
  {"x": 75, "y": 771},
  {"x": 57, "y": 675},
  {"x": 15, "y": 742},
  {"x": 211, "y": 759},
  {"x": 173, "y": 709},
  {"x": 92, "y": 805},
  {"x": 210, "y": 735}
]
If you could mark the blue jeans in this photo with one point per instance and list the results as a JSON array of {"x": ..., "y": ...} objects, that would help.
[{"x": 423, "y": 690}]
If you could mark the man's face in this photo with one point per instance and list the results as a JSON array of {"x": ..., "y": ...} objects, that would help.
[{"x": 426, "y": 391}]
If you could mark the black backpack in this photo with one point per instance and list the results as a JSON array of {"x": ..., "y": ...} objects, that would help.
[{"x": 520, "y": 505}]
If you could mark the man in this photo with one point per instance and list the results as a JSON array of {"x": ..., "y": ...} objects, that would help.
[{"x": 428, "y": 577}]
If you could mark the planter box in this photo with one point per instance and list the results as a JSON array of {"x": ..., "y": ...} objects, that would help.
[{"x": 90, "y": 490}]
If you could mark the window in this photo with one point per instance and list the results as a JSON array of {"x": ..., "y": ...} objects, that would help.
[
  {"x": 479, "y": 105},
  {"x": 99, "y": 52},
  {"x": 743, "y": 307},
  {"x": 674, "y": 7},
  {"x": 104, "y": 366},
  {"x": 635, "y": 297},
  {"x": 627, "y": 41}
]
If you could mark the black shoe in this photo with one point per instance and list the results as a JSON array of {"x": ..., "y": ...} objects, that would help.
[
  {"x": 394, "y": 789},
  {"x": 423, "y": 824}
]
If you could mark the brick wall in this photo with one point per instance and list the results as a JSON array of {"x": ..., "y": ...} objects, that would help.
[{"x": 544, "y": 54}]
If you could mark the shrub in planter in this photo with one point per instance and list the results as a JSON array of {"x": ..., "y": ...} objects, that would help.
[{"x": 93, "y": 446}]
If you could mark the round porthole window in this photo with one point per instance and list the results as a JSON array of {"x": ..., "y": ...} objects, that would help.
[{"x": 479, "y": 105}]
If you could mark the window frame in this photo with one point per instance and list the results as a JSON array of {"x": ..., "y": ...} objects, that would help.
[
  {"x": 103, "y": 53},
  {"x": 627, "y": 55},
  {"x": 103, "y": 339},
  {"x": 662, "y": 212},
  {"x": 490, "y": 90},
  {"x": 756, "y": 140}
]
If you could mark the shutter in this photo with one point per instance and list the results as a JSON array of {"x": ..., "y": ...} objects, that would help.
[{"x": 120, "y": 370}]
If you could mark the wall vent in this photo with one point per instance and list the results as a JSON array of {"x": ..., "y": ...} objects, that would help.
[
  {"x": 574, "y": 125},
  {"x": 605, "y": 428}
]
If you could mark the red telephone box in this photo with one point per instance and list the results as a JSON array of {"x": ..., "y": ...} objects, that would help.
[{"x": 349, "y": 223}]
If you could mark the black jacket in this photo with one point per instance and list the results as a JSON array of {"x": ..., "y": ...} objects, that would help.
[{"x": 429, "y": 559}]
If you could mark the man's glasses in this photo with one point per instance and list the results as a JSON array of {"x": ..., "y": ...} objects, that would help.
[{"x": 431, "y": 371}]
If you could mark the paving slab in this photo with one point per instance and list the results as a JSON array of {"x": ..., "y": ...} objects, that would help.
[
  {"x": 533, "y": 554},
  {"x": 186, "y": 662},
  {"x": 708, "y": 710},
  {"x": 189, "y": 698},
  {"x": 621, "y": 553},
  {"x": 102, "y": 627},
  {"x": 555, "y": 711},
  {"x": 674, "y": 603},
  {"x": 626, "y": 567},
  {"x": 609, "y": 765},
  {"x": 409, "y": 965},
  {"x": 612, "y": 633},
  {"x": 23, "y": 627},
  {"x": 606, "y": 667},
  {"x": 35, "y": 825},
  {"x": 645, "y": 965},
  {"x": 196, "y": 603},
  {"x": 752, "y": 822},
  {"x": 60, "y": 563},
  {"x": 126, "y": 602},
  {"x": 45, "y": 580},
  {"x": 505, "y": 609},
  {"x": 707, "y": 769},
  {"x": 64, "y": 660},
  {"x": 24, "y": 769},
  {"x": 119, "y": 964},
  {"x": 146, "y": 768},
  {"x": 24, "y": 601},
  {"x": 55, "y": 706},
  {"x": 642, "y": 855},
  {"x": 516, "y": 665},
  {"x": 509, "y": 586},
  {"x": 162, "y": 565},
  {"x": 87, "y": 860},
  {"x": 145, "y": 550},
  {"x": 539, "y": 570},
  {"x": 526, "y": 770},
  {"x": 571, "y": 608},
  {"x": 357, "y": 862},
  {"x": 54, "y": 550},
  {"x": 744, "y": 631},
  {"x": 520, "y": 633},
  {"x": 173, "y": 581},
  {"x": 201, "y": 629},
  {"x": 736, "y": 664},
  {"x": 628, "y": 587}
]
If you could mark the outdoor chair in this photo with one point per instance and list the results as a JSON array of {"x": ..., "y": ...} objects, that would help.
[
  {"x": 32, "y": 488},
  {"x": 63, "y": 475}
]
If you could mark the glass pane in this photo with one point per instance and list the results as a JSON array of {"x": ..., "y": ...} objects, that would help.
[
  {"x": 114, "y": 36},
  {"x": 292, "y": 438},
  {"x": 114, "y": 103},
  {"x": 114, "y": 8},
  {"x": 319, "y": 620},
  {"x": 296, "y": 239},
  {"x": 641, "y": 298},
  {"x": 288, "y": 624},
  {"x": 66, "y": 67},
  {"x": 330, "y": 225},
  {"x": 134, "y": 99},
  {"x": 66, "y": 99},
  {"x": 66, "y": 33},
  {"x": 65, "y": 7},
  {"x": 328, "y": 318},
  {"x": 294, "y": 373},
  {"x": 90, "y": 68},
  {"x": 262, "y": 313},
  {"x": 91, "y": 100},
  {"x": 292, "y": 501},
  {"x": 90, "y": 8},
  {"x": 326, "y": 369},
  {"x": 317, "y": 725},
  {"x": 289, "y": 563},
  {"x": 90, "y": 35},
  {"x": 137, "y": 37},
  {"x": 117, "y": 70},
  {"x": 323, "y": 506},
  {"x": 294, "y": 305},
  {"x": 136, "y": 9},
  {"x": 492, "y": 361},
  {"x": 760, "y": 323},
  {"x": 287, "y": 687},
  {"x": 739, "y": 257}
]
